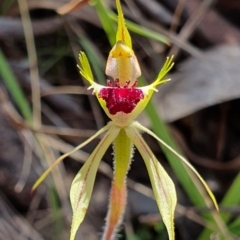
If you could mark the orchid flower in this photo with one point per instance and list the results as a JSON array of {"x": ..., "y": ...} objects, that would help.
[{"x": 122, "y": 101}]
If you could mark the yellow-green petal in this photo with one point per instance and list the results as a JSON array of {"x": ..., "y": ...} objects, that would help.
[
  {"x": 82, "y": 185},
  {"x": 163, "y": 187},
  {"x": 165, "y": 69},
  {"x": 85, "y": 69},
  {"x": 184, "y": 160}
]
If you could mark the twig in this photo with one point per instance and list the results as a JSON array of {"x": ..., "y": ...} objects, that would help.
[{"x": 33, "y": 64}]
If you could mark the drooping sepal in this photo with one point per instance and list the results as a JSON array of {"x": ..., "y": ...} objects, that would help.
[
  {"x": 82, "y": 185},
  {"x": 184, "y": 160},
  {"x": 61, "y": 158},
  {"x": 163, "y": 187}
]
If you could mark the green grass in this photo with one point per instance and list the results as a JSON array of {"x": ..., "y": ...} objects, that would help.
[{"x": 14, "y": 88}]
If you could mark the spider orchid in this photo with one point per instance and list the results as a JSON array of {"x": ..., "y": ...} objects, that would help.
[{"x": 122, "y": 101}]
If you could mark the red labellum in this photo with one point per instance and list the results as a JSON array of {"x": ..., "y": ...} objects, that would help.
[{"x": 121, "y": 99}]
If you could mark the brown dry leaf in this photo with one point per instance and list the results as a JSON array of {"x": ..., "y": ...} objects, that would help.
[
  {"x": 60, "y": 6},
  {"x": 71, "y": 6},
  {"x": 46, "y": 4},
  {"x": 35, "y": 4},
  {"x": 201, "y": 83}
]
